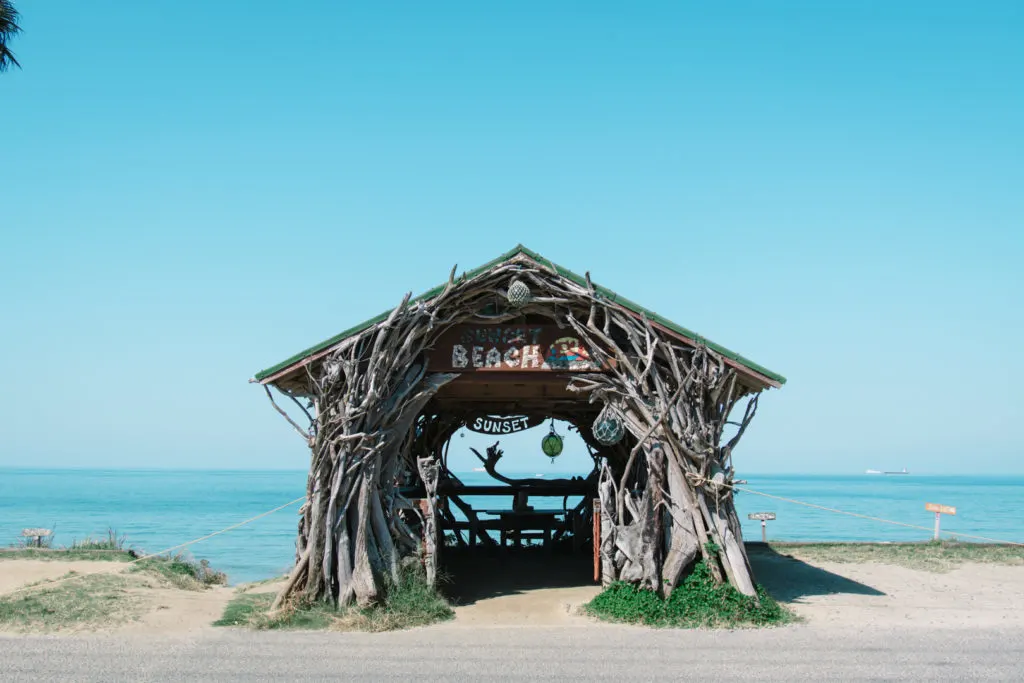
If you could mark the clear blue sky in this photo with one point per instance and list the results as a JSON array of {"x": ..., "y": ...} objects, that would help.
[{"x": 192, "y": 191}]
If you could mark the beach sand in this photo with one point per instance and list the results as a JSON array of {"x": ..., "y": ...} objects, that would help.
[
  {"x": 846, "y": 595},
  {"x": 825, "y": 594},
  {"x": 159, "y": 610}
]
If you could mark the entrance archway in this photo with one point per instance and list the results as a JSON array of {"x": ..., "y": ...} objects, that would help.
[{"x": 517, "y": 528}]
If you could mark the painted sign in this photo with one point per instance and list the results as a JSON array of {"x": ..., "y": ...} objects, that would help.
[
  {"x": 511, "y": 348},
  {"x": 939, "y": 510},
  {"x": 761, "y": 516},
  {"x": 497, "y": 424}
]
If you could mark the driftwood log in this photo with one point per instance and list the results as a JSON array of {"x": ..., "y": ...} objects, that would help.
[
  {"x": 490, "y": 463},
  {"x": 665, "y": 489}
]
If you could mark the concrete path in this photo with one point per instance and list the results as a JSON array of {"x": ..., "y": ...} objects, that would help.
[{"x": 586, "y": 652}]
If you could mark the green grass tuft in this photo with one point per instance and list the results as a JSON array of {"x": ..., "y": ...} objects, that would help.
[
  {"x": 252, "y": 610},
  {"x": 65, "y": 554},
  {"x": 111, "y": 542},
  {"x": 80, "y": 603},
  {"x": 182, "y": 571},
  {"x": 698, "y": 602},
  {"x": 407, "y": 603}
]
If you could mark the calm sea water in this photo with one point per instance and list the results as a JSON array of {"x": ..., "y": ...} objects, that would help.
[{"x": 157, "y": 509}]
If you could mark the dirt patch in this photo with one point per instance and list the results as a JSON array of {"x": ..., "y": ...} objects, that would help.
[
  {"x": 170, "y": 611},
  {"x": 537, "y": 607},
  {"x": 16, "y": 573},
  {"x": 534, "y": 589},
  {"x": 531, "y": 586},
  {"x": 98, "y": 596},
  {"x": 848, "y": 595}
]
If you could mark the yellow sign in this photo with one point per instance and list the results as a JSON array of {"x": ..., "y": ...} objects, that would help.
[{"x": 943, "y": 509}]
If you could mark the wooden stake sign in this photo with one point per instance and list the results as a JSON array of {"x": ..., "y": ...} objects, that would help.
[
  {"x": 764, "y": 517},
  {"x": 939, "y": 510},
  {"x": 37, "y": 535}
]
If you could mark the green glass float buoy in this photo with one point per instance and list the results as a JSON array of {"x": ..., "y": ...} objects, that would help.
[
  {"x": 608, "y": 428},
  {"x": 552, "y": 443}
]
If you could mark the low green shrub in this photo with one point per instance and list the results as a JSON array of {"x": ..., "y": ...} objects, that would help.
[
  {"x": 407, "y": 603},
  {"x": 699, "y": 602},
  {"x": 183, "y": 571}
]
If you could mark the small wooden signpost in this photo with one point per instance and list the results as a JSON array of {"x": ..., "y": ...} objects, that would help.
[
  {"x": 939, "y": 510},
  {"x": 764, "y": 517},
  {"x": 37, "y": 535}
]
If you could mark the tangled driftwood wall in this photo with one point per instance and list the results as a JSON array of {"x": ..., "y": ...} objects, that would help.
[{"x": 664, "y": 489}]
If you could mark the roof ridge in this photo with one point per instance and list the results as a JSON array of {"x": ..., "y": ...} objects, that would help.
[{"x": 521, "y": 249}]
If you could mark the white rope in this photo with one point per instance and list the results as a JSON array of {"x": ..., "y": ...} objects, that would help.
[
  {"x": 869, "y": 517},
  {"x": 122, "y": 567}
]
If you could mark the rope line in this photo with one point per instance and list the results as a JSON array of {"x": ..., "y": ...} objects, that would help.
[
  {"x": 869, "y": 517},
  {"x": 122, "y": 567}
]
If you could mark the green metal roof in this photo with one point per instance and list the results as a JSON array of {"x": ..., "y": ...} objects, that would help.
[{"x": 564, "y": 272}]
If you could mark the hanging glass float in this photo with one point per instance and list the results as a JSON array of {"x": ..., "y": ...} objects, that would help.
[
  {"x": 608, "y": 428},
  {"x": 518, "y": 294},
  {"x": 552, "y": 443}
]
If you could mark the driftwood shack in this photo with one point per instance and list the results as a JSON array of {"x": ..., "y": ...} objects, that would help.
[{"x": 506, "y": 346}]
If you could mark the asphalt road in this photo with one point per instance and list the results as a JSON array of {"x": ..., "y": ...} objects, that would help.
[{"x": 566, "y": 653}]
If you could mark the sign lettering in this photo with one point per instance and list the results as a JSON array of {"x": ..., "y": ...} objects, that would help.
[
  {"x": 941, "y": 509},
  {"x": 495, "y": 424},
  {"x": 761, "y": 516},
  {"x": 509, "y": 348}
]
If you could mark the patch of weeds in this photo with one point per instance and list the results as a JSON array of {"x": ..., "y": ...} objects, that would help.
[
  {"x": 111, "y": 542},
  {"x": 408, "y": 603},
  {"x": 245, "y": 608},
  {"x": 183, "y": 572},
  {"x": 113, "y": 548},
  {"x": 65, "y": 555},
  {"x": 699, "y": 602},
  {"x": 86, "y": 602}
]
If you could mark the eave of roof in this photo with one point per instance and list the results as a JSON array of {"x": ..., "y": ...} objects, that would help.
[{"x": 773, "y": 377}]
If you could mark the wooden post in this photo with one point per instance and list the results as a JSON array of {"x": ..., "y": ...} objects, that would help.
[
  {"x": 597, "y": 539},
  {"x": 37, "y": 536},
  {"x": 939, "y": 510}
]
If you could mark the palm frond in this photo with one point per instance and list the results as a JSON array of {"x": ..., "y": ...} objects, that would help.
[
  {"x": 8, "y": 20},
  {"x": 7, "y": 59},
  {"x": 8, "y": 29}
]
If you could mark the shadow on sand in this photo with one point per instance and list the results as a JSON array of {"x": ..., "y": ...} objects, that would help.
[
  {"x": 787, "y": 578},
  {"x": 480, "y": 573}
]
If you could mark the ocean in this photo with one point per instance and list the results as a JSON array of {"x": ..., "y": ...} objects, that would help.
[{"x": 156, "y": 509}]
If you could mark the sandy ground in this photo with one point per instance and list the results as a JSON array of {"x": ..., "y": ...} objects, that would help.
[
  {"x": 531, "y": 588},
  {"x": 857, "y": 595},
  {"x": 537, "y": 607},
  {"x": 165, "y": 611},
  {"x": 544, "y": 590},
  {"x": 179, "y": 612},
  {"x": 496, "y": 591},
  {"x": 17, "y": 573}
]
